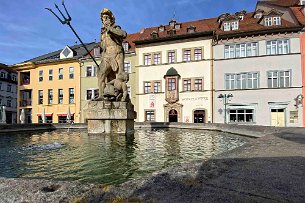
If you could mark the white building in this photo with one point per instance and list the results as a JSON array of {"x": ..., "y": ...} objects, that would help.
[
  {"x": 174, "y": 73},
  {"x": 257, "y": 69},
  {"x": 8, "y": 93}
]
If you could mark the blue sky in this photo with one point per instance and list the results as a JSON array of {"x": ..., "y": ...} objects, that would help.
[{"x": 27, "y": 30}]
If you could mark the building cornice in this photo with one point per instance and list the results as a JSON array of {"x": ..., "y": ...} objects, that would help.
[
  {"x": 260, "y": 32},
  {"x": 175, "y": 37}
]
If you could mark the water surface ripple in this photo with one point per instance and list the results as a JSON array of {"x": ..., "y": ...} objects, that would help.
[{"x": 106, "y": 159}]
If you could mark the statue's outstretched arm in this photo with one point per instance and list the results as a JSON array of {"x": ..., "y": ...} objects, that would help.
[{"x": 118, "y": 31}]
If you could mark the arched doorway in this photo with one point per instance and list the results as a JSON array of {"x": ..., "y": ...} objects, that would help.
[
  {"x": 199, "y": 116},
  {"x": 173, "y": 116}
]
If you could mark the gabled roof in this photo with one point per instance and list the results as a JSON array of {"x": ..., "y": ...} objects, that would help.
[{"x": 79, "y": 51}]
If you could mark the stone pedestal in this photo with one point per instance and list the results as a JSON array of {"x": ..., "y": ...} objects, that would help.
[{"x": 110, "y": 117}]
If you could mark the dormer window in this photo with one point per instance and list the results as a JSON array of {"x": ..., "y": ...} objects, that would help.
[
  {"x": 66, "y": 53},
  {"x": 258, "y": 15},
  {"x": 97, "y": 51},
  {"x": 161, "y": 28},
  {"x": 172, "y": 23},
  {"x": 241, "y": 17},
  {"x": 171, "y": 32},
  {"x": 154, "y": 34},
  {"x": 226, "y": 26},
  {"x": 302, "y": 2},
  {"x": 277, "y": 20},
  {"x": 177, "y": 26},
  {"x": 270, "y": 21},
  {"x": 2, "y": 75},
  {"x": 191, "y": 29},
  {"x": 234, "y": 25}
]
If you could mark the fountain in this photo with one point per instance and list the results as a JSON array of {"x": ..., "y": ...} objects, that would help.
[{"x": 112, "y": 112}]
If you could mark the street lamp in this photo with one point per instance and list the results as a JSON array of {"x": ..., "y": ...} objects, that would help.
[{"x": 225, "y": 98}]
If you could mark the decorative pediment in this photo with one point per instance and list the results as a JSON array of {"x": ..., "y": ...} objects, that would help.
[
  {"x": 274, "y": 12},
  {"x": 67, "y": 52}
]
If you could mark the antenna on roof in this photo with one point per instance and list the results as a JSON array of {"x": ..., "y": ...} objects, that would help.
[{"x": 174, "y": 17}]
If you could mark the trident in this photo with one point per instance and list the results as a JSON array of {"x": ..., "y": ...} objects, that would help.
[{"x": 67, "y": 21}]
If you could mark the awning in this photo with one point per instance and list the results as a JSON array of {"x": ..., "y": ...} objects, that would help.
[{"x": 46, "y": 114}]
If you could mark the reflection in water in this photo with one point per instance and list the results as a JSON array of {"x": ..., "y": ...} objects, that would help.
[{"x": 106, "y": 159}]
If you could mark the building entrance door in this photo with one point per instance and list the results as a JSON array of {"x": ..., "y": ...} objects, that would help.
[
  {"x": 199, "y": 116},
  {"x": 173, "y": 116},
  {"x": 278, "y": 117}
]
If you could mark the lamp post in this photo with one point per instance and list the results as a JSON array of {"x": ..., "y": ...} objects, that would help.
[{"x": 225, "y": 98}]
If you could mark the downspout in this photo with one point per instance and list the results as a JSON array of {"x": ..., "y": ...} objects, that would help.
[{"x": 214, "y": 41}]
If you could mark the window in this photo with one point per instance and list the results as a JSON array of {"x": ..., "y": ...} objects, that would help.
[
  {"x": 0, "y": 86},
  {"x": 277, "y": 20},
  {"x": 171, "y": 57},
  {"x": 157, "y": 58},
  {"x": 157, "y": 86},
  {"x": 50, "y": 74},
  {"x": 279, "y": 79},
  {"x": 258, "y": 15},
  {"x": 14, "y": 78},
  {"x": 241, "y": 115},
  {"x": 92, "y": 94},
  {"x": 149, "y": 115},
  {"x": 293, "y": 117},
  {"x": 60, "y": 73},
  {"x": 50, "y": 96},
  {"x": 277, "y": 47},
  {"x": 198, "y": 54},
  {"x": 241, "y": 50},
  {"x": 60, "y": 96},
  {"x": 9, "y": 103},
  {"x": 2, "y": 75},
  {"x": 226, "y": 26},
  {"x": 268, "y": 21},
  {"x": 97, "y": 51},
  {"x": 187, "y": 85},
  {"x": 125, "y": 46},
  {"x": 242, "y": 81},
  {"x": 198, "y": 84},
  {"x": 127, "y": 67},
  {"x": 147, "y": 87},
  {"x": 161, "y": 28},
  {"x": 40, "y": 96},
  {"x": 71, "y": 72},
  {"x": 63, "y": 119},
  {"x": 234, "y": 25},
  {"x": 71, "y": 95},
  {"x": 171, "y": 84},
  {"x": 9, "y": 88},
  {"x": 187, "y": 55},
  {"x": 177, "y": 26},
  {"x": 147, "y": 59},
  {"x": 90, "y": 71},
  {"x": 40, "y": 75}
]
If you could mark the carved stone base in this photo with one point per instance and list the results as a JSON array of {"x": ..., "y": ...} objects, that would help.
[{"x": 110, "y": 117}]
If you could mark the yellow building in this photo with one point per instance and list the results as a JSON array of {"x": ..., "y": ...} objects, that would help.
[{"x": 50, "y": 84}]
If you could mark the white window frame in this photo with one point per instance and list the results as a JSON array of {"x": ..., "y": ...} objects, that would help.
[
  {"x": 197, "y": 54},
  {"x": 157, "y": 58},
  {"x": 125, "y": 46},
  {"x": 235, "y": 25},
  {"x": 171, "y": 57},
  {"x": 268, "y": 21},
  {"x": 127, "y": 66},
  {"x": 147, "y": 59},
  {"x": 40, "y": 75},
  {"x": 226, "y": 26},
  {"x": 157, "y": 86},
  {"x": 60, "y": 74},
  {"x": 277, "y": 20},
  {"x": 71, "y": 72},
  {"x": 187, "y": 55},
  {"x": 280, "y": 46},
  {"x": 50, "y": 74}
]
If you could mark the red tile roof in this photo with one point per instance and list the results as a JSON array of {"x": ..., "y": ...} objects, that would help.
[
  {"x": 283, "y": 3},
  {"x": 130, "y": 38},
  {"x": 297, "y": 11}
]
